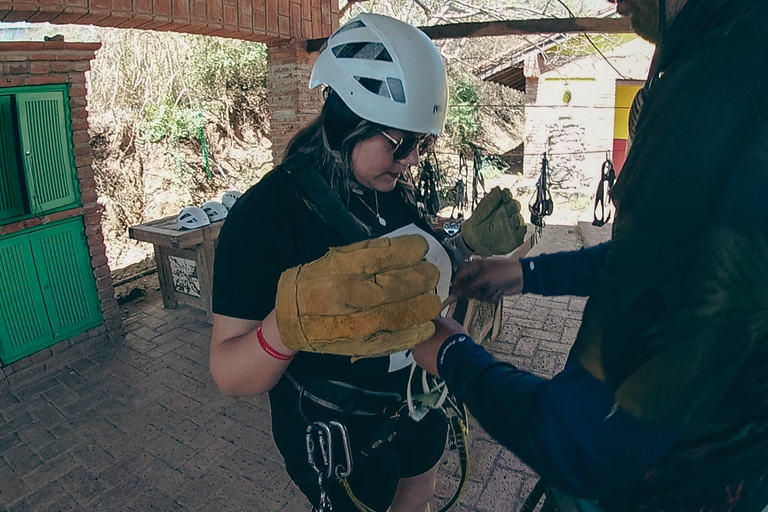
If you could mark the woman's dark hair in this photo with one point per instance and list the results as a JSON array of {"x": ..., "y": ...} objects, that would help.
[{"x": 329, "y": 141}]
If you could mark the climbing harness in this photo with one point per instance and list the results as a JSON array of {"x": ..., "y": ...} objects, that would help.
[
  {"x": 323, "y": 437},
  {"x": 603, "y": 192},
  {"x": 541, "y": 204}
]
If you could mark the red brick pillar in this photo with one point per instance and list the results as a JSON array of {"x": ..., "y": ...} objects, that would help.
[{"x": 292, "y": 105}]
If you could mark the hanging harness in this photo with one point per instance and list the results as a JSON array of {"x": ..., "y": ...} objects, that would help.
[
  {"x": 607, "y": 179},
  {"x": 541, "y": 204},
  {"x": 477, "y": 178},
  {"x": 461, "y": 199},
  {"x": 321, "y": 437},
  {"x": 426, "y": 188}
]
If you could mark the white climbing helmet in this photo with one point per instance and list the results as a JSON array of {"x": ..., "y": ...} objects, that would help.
[
  {"x": 215, "y": 210},
  {"x": 387, "y": 72},
  {"x": 191, "y": 217},
  {"x": 230, "y": 197}
]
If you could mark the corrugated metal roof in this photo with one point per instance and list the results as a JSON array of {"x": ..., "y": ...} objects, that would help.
[{"x": 512, "y": 77}]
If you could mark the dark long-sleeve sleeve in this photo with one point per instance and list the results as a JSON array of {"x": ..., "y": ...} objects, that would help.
[
  {"x": 564, "y": 273},
  {"x": 566, "y": 428}
]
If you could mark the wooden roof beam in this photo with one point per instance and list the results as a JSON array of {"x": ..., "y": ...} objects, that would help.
[{"x": 517, "y": 28}]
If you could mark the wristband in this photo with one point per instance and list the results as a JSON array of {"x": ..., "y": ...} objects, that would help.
[
  {"x": 448, "y": 343},
  {"x": 268, "y": 349}
]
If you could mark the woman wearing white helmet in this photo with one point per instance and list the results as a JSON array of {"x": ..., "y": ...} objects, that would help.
[{"x": 385, "y": 103}]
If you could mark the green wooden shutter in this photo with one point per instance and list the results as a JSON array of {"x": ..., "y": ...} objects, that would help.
[
  {"x": 24, "y": 326},
  {"x": 46, "y": 151},
  {"x": 66, "y": 277},
  {"x": 11, "y": 204}
]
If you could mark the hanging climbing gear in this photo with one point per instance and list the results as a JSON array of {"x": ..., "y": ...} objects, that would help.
[
  {"x": 461, "y": 199},
  {"x": 603, "y": 192},
  {"x": 477, "y": 177},
  {"x": 541, "y": 204},
  {"x": 426, "y": 188}
]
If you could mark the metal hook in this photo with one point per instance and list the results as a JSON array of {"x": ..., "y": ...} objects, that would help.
[
  {"x": 323, "y": 444},
  {"x": 347, "y": 451}
]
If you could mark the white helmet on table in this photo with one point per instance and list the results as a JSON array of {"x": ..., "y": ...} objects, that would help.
[
  {"x": 191, "y": 217},
  {"x": 215, "y": 210},
  {"x": 230, "y": 197},
  {"x": 387, "y": 72}
]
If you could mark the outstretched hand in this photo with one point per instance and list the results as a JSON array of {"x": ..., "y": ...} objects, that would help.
[{"x": 488, "y": 279}]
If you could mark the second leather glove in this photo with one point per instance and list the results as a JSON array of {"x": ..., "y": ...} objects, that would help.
[{"x": 496, "y": 226}]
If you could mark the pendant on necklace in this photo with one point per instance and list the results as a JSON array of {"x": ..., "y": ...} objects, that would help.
[{"x": 381, "y": 220}]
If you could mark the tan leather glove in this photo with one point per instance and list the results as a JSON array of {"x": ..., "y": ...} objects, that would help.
[
  {"x": 366, "y": 299},
  {"x": 496, "y": 226}
]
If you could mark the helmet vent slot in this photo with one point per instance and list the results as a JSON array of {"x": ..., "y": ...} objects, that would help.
[
  {"x": 375, "y": 86},
  {"x": 396, "y": 89},
  {"x": 349, "y": 26},
  {"x": 366, "y": 51}
]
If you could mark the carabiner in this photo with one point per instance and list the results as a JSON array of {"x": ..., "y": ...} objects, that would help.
[
  {"x": 318, "y": 439},
  {"x": 347, "y": 451}
]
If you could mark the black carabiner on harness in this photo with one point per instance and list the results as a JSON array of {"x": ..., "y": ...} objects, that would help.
[
  {"x": 541, "y": 204},
  {"x": 607, "y": 179}
]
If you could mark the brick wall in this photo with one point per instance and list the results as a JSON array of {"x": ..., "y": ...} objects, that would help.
[
  {"x": 292, "y": 105},
  {"x": 253, "y": 20},
  {"x": 58, "y": 62}
]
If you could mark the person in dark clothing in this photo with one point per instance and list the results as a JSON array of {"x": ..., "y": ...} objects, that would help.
[
  {"x": 361, "y": 146},
  {"x": 294, "y": 297},
  {"x": 663, "y": 402}
]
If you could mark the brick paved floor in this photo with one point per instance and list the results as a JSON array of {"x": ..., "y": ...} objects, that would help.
[{"x": 139, "y": 425}]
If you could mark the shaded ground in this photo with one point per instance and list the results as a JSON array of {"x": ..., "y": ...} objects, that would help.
[{"x": 140, "y": 426}]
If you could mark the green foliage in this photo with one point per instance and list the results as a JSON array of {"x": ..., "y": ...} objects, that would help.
[
  {"x": 158, "y": 82},
  {"x": 493, "y": 167},
  {"x": 168, "y": 121},
  {"x": 463, "y": 120},
  {"x": 226, "y": 64}
]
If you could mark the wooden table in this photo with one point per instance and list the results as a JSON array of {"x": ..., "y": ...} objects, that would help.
[{"x": 184, "y": 261}]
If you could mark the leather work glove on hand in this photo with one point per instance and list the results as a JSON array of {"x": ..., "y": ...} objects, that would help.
[
  {"x": 496, "y": 226},
  {"x": 370, "y": 298}
]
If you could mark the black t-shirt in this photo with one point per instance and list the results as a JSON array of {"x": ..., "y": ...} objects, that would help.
[{"x": 269, "y": 230}]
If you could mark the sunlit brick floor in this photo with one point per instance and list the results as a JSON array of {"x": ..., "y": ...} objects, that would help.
[{"x": 139, "y": 425}]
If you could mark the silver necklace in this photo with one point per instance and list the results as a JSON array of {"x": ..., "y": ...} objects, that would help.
[{"x": 375, "y": 212}]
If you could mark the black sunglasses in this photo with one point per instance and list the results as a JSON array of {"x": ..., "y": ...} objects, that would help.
[{"x": 404, "y": 146}]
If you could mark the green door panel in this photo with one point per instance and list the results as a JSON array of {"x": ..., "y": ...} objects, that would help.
[
  {"x": 66, "y": 278},
  {"x": 46, "y": 150},
  {"x": 11, "y": 203},
  {"x": 24, "y": 326}
]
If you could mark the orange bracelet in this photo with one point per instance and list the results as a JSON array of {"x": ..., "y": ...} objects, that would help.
[{"x": 268, "y": 349}]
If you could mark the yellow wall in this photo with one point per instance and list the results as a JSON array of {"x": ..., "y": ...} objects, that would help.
[{"x": 625, "y": 93}]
